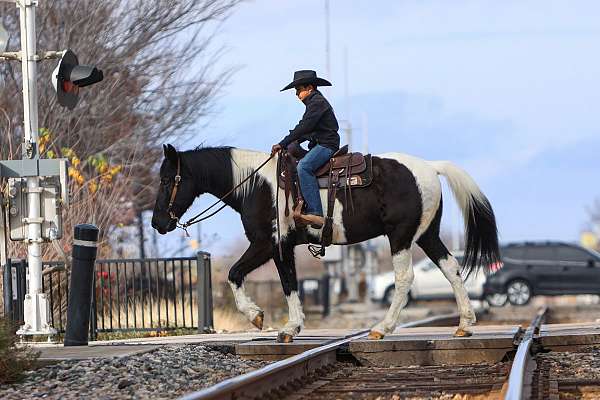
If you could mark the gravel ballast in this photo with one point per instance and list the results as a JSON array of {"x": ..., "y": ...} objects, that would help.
[
  {"x": 167, "y": 372},
  {"x": 568, "y": 375}
]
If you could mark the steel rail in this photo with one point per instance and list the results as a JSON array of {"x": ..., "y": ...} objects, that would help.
[
  {"x": 521, "y": 372},
  {"x": 269, "y": 378}
]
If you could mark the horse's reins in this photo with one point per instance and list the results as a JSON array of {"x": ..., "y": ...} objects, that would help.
[{"x": 195, "y": 219}]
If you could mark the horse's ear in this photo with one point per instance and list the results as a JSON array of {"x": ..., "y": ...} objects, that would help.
[{"x": 170, "y": 153}]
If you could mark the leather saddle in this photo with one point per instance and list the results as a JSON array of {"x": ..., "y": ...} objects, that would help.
[
  {"x": 343, "y": 170},
  {"x": 355, "y": 167}
]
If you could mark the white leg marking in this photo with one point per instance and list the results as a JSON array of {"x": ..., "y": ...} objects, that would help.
[
  {"x": 244, "y": 303},
  {"x": 404, "y": 276},
  {"x": 451, "y": 268},
  {"x": 296, "y": 316}
]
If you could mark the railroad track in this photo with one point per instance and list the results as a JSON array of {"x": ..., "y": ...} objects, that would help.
[
  {"x": 279, "y": 378},
  {"x": 521, "y": 373},
  {"x": 317, "y": 374}
]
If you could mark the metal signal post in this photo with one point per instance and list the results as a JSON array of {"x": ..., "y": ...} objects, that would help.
[
  {"x": 36, "y": 305},
  {"x": 32, "y": 179}
]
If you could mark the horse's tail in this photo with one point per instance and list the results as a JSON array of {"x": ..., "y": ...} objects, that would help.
[{"x": 481, "y": 242}]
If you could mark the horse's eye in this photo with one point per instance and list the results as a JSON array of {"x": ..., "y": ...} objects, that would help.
[{"x": 164, "y": 181}]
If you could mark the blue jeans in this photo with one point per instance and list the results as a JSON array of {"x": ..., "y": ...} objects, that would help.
[{"x": 307, "y": 167}]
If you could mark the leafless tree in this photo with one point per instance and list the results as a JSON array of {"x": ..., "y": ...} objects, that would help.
[
  {"x": 593, "y": 223},
  {"x": 594, "y": 212},
  {"x": 157, "y": 57}
]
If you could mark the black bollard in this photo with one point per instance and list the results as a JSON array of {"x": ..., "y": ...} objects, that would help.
[
  {"x": 325, "y": 300},
  {"x": 204, "y": 294},
  {"x": 80, "y": 291}
]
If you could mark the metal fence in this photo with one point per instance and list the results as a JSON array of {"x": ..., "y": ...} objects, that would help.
[{"x": 129, "y": 294}]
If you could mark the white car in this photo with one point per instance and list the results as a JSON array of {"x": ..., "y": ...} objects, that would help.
[{"x": 429, "y": 283}]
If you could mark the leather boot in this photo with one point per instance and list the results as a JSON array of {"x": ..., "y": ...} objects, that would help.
[
  {"x": 301, "y": 220},
  {"x": 297, "y": 214},
  {"x": 316, "y": 221}
]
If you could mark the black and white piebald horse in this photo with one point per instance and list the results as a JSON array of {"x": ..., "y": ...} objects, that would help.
[{"x": 404, "y": 202}]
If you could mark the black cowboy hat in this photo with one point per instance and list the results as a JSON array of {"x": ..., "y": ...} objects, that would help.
[{"x": 306, "y": 77}]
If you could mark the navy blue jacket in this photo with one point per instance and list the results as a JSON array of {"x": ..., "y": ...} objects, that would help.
[{"x": 318, "y": 124}]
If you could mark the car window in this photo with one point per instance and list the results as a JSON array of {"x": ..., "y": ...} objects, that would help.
[
  {"x": 540, "y": 253},
  {"x": 569, "y": 253},
  {"x": 516, "y": 253}
]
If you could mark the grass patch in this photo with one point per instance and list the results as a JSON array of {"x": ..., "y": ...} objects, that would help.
[
  {"x": 14, "y": 360},
  {"x": 144, "y": 334}
]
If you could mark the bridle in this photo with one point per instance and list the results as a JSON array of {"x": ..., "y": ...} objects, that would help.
[
  {"x": 196, "y": 219},
  {"x": 174, "y": 192}
]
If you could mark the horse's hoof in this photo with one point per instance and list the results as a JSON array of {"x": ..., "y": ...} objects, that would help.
[
  {"x": 374, "y": 335},
  {"x": 283, "y": 337},
  {"x": 258, "y": 320},
  {"x": 460, "y": 332}
]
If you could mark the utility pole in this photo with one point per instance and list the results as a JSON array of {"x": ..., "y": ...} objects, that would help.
[
  {"x": 199, "y": 235},
  {"x": 347, "y": 101},
  {"x": 365, "y": 133},
  {"x": 456, "y": 225},
  {"x": 327, "y": 58},
  {"x": 140, "y": 221}
]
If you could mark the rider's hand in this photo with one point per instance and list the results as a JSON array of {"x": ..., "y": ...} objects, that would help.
[{"x": 275, "y": 149}]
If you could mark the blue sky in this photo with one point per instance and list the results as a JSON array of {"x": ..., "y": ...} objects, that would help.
[{"x": 507, "y": 90}]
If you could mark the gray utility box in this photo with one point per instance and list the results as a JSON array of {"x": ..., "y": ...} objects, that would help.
[{"x": 50, "y": 207}]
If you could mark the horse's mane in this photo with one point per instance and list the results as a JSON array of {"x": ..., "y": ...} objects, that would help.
[
  {"x": 243, "y": 164},
  {"x": 219, "y": 154},
  {"x": 202, "y": 147}
]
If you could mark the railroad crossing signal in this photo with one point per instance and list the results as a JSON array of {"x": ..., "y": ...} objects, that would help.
[
  {"x": 69, "y": 76},
  {"x": 33, "y": 179}
]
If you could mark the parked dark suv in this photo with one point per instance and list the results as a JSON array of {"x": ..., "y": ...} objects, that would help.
[{"x": 544, "y": 268}]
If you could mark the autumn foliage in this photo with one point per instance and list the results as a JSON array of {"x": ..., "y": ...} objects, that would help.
[{"x": 159, "y": 84}]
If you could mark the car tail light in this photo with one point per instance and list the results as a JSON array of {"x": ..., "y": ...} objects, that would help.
[{"x": 495, "y": 267}]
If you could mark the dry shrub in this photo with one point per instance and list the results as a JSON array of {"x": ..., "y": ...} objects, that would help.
[
  {"x": 14, "y": 360},
  {"x": 230, "y": 320}
]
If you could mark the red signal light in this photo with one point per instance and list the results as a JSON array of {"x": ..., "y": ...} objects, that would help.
[{"x": 70, "y": 87}]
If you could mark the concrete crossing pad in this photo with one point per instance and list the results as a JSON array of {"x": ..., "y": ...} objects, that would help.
[
  {"x": 436, "y": 346},
  {"x": 569, "y": 337},
  {"x": 269, "y": 350},
  {"x": 61, "y": 353}
]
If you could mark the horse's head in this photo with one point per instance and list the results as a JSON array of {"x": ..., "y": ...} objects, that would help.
[{"x": 175, "y": 194}]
